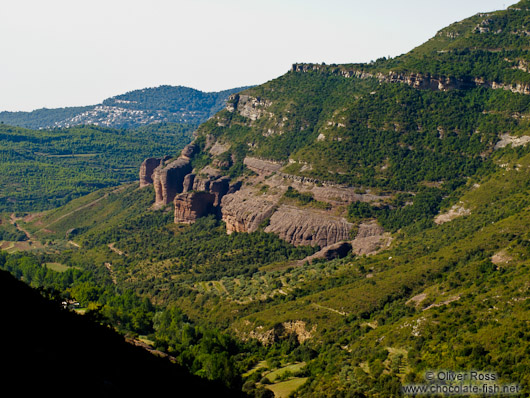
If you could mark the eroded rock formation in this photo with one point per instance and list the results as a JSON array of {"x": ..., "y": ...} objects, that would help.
[
  {"x": 337, "y": 250},
  {"x": 282, "y": 331},
  {"x": 416, "y": 80},
  {"x": 304, "y": 227},
  {"x": 370, "y": 238},
  {"x": 248, "y": 106},
  {"x": 187, "y": 184},
  {"x": 190, "y": 206},
  {"x": 244, "y": 212},
  {"x": 189, "y": 150},
  {"x": 246, "y": 208},
  {"x": 147, "y": 169},
  {"x": 219, "y": 187},
  {"x": 168, "y": 180}
]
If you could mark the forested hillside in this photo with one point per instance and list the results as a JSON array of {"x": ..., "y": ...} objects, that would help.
[
  {"x": 163, "y": 104},
  {"x": 43, "y": 169}
]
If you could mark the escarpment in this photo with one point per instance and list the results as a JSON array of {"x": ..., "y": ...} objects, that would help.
[
  {"x": 247, "y": 208},
  {"x": 243, "y": 211},
  {"x": 302, "y": 227},
  {"x": 193, "y": 195},
  {"x": 416, "y": 80},
  {"x": 190, "y": 206},
  {"x": 147, "y": 169},
  {"x": 168, "y": 180},
  {"x": 248, "y": 106}
]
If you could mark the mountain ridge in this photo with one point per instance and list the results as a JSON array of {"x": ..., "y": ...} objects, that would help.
[{"x": 162, "y": 104}]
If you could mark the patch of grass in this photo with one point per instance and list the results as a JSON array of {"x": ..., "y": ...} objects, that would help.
[
  {"x": 57, "y": 267},
  {"x": 293, "y": 368},
  {"x": 285, "y": 388},
  {"x": 260, "y": 365}
]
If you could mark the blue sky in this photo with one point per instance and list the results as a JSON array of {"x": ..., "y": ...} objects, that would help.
[{"x": 59, "y": 53}]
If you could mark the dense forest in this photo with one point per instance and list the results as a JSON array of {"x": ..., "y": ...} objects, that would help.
[
  {"x": 47, "y": 168},
  {"x": 174, "y": 99}
]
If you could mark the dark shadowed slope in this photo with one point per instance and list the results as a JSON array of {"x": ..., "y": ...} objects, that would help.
[{"x": 49, "y": 350}]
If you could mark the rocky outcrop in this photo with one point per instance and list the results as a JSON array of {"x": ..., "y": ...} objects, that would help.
[
  {"x": 282, "y": 331},
  {"x": 370, "y": 238},
  {"x": 243, "y": 212},
  {"x": 507, "y": 139},
  {"x": 458, "y": 210},
  {"x": 201, "y": 195},
  {"x": 189, "y": 150},
  {"x": 219, "y": 187},
  {"x": 248, "y": 106},
  {"x": 308, "y": 227},
  {"x": 218, "y": 149},
  {"x": 147, "y": 169},
  {"x": 192, "y": 205},
  {"x": 416, "y": 80},
  {"x": 168, "y": 180},
  {"x": 338, "y": 250},
  {"x": 187, "y": 184},
  {"x": 260, "y": 166},
  {"x": 202, "y": 183}
]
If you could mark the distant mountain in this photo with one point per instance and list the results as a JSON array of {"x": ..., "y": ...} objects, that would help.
[{"x": 168, "y": 104}]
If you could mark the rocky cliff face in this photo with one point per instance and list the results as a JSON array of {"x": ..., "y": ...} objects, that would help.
[
  {"x": 219, "y": 187},
  {"x": 246, "y": 208},
  {"x": 370, "y": 239},
  {"x": 308, "y": 227},
  {"x": 244, "y": 212},
  {"x": 147, "y": 169},
  {"x": 192, "y": 205},
  {"x": 189, "y": 150},
  {"x": 416, "y": 80},
  {"x": 245, "y": 105},
  {"x": 281, "y": 331},
  {"x": 168, "y": 180}
]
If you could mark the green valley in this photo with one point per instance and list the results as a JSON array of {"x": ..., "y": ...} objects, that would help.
[{"x": 43, "y": 169}]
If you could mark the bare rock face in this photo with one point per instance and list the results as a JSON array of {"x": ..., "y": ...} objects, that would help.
[
  {"x": 418, "y": 80},
  {"x": 201, "y": 183},
  {"x": 248, "y": 106},
  {"x": 261, "y": 166},
  {"x": 192, "y": 205},
  {"x": 282, "y": 331},
  {"x": 247, "y": 210},
  {"x": 147, "y": 168},
  {"x": 243, "y": 212},
  {"x": 304, "y": 227},
  {"x": 219, "y": 187},
  {"x": 189, "y": 150},
  {"x": 370, "y": 239},
  {"x": 337, "y": 250},
  {"x": 187, "y": 184},
  {"x": 168, "y": 180}
]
